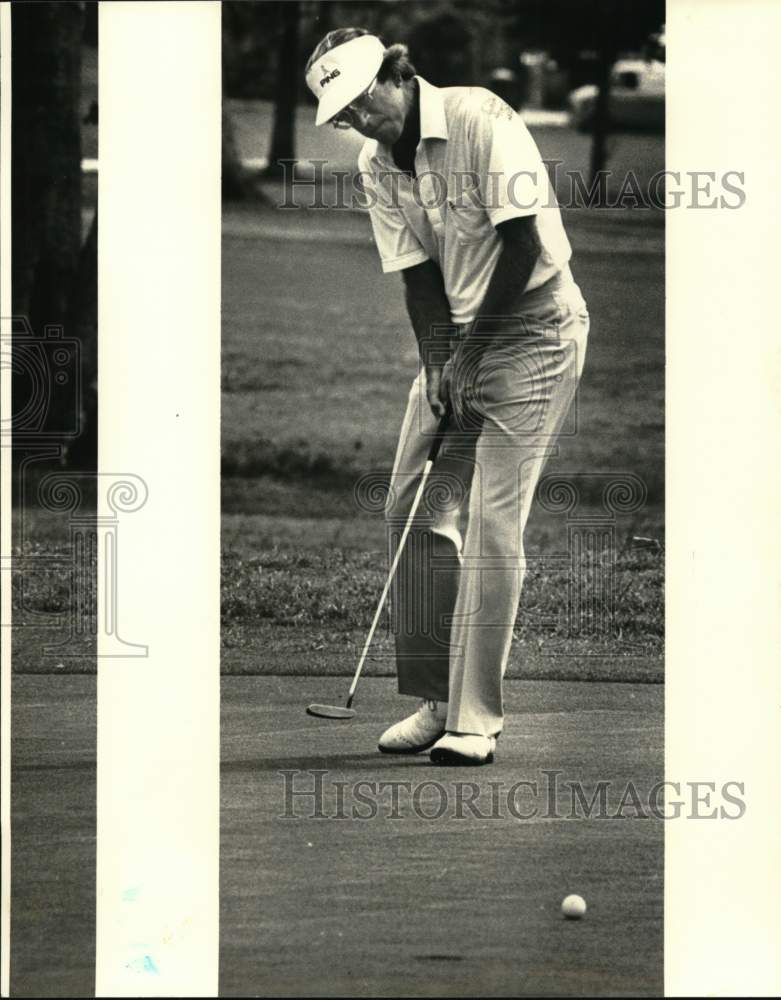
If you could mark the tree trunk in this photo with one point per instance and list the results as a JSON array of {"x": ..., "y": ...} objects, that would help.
[
  {"x": 82, "y": 324},
  {"x": 283, "y": 145},
  {"x": 324, "y": 17},
  {"x": 46, "y": 158},
  {"x": 601, "y": 121},
  {"x": 235, "y": 185},
  {"x": 54, "y": 284}
]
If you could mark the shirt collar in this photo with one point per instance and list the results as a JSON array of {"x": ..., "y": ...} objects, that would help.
[{"x": 433, "y": 123}]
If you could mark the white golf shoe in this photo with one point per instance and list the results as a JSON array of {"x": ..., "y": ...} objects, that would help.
[
  {"x": 418, "y": 731},
  {"x": 463, "y": 749}
]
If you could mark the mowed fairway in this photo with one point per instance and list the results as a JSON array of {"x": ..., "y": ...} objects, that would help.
[
  {"x": 428, "y": 898},
  {"x": 318, "y": 354}
]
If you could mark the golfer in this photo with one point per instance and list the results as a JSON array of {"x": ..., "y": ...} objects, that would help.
[{"x": 460, "y": 203}]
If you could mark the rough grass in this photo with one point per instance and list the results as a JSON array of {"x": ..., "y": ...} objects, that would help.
[
  {"x": 337, "y": 589},
  {"x": 299, "y": 594}
]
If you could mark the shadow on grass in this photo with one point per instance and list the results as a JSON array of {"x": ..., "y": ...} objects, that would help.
[{"x": 327, "y": 762}]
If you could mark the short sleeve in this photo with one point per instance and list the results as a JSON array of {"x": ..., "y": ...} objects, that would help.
[
  {"x": 512, "y": 178},
  {"x": 397, "y": 244}
]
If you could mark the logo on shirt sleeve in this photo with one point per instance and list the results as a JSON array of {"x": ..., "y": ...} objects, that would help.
[{"x": 497, "y": 108}]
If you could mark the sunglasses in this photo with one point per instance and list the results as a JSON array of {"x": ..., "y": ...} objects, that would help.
[{"x": 355, "y": 110}]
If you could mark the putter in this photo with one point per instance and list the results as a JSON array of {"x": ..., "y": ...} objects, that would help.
[{"x": 346, "y": 711}]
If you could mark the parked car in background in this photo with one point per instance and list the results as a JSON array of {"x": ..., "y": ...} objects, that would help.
[{"x": 636, "y": 97}]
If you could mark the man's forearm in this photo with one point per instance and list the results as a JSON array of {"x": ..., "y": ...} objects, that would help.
[
  {"x": 429, "y": 313},
  {"x": 519, "y": 254}
]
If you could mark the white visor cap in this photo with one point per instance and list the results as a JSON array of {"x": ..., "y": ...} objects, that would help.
[{"x": 344, "y": 72}]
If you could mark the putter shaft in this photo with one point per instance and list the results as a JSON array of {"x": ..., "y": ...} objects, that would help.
[{"x": 432, "y": 455}]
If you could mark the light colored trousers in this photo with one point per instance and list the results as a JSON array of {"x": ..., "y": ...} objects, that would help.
[{"x": 455, "y": 595}]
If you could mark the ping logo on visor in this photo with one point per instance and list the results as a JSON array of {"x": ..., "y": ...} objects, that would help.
[{"x": 330, "y": 74}]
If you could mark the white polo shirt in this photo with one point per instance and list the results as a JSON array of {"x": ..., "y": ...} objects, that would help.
[{"x": 476, "y": 165}]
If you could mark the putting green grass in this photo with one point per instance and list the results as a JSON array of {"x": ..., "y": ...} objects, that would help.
[
  {"x": 53, "y": 797},
  {"x": 455, "y": 906},
  {"x": 404, "y": 904}
]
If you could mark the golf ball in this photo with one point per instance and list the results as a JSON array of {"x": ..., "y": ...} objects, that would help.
[{"x": 573, "y": 907}]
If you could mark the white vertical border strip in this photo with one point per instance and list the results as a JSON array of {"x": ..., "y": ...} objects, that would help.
[
  {"x": 723, "y": 692},
  {"x": 159, "y": 371},
  {"x": 5, "y": 494}
]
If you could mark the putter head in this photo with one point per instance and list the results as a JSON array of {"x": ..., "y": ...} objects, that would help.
[{"x": 331, "y": 711}]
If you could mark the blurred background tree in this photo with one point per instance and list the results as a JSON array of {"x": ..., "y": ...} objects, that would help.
[
  {"x": 452, "y": 42},
  {"x": 585, "y": 37},
  {"x": 46, "y": 164},
  {"x": 54, "y": 270},
  {"x": 286, "y": 88}
]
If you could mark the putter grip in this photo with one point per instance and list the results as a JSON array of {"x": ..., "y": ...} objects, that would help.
[{"x": 436, "y": 444}]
